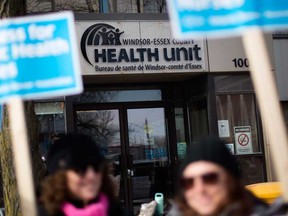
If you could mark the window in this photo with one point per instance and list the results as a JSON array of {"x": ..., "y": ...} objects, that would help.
[
  {"x": 237, "y": 113},
  {"x": 235, "y": 83},
  {"x": 97, "y": 6},
  {"x": 156, "y": 6},
  {"x": 238, "y": 124},
  {"x": 118, "y": 96},
  {"x": 136, "y": 6},
  {"x": 198, "y": 119},
  {"x": 86, "y": 6},
  {"x": 180, "y": 133},
  {"x": 34, "y": 6}
]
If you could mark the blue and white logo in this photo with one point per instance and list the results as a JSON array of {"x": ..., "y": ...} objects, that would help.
[
  {"x": 99, "y": 34},
  {"x": 39, "y": 57},
  {"x": 214, "y": 17}
]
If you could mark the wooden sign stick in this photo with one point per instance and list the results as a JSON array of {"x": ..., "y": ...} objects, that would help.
[
  {"x": 266, "y": 93},
  {"x": 21, "y": 157}
]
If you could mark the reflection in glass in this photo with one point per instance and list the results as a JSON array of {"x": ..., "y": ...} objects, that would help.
[
  {"x": 123, "y": 6},
  {"x": 137, "y": 6},
  {"x": 148, "y": 147},
  {"x": 147, "y": 134},
  {"x": 52, "y": 123},
  {"x": 91, "y": 6},
  {"x": 103, "y": 126},
  {"x": 154, "y": 6},
  {"x": 82, "y": 6},
  {"x": 97, "y": 6},
  {"x": 34, "y": 6}
]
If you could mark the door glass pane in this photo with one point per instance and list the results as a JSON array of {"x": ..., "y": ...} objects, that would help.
[
  {"x": 103, "y": 126},
  {"x": 52, "y": 123},
  {"x": 198, "y": 119},
  {"x": 180, "y": 133},
  {"x": 252, "y": 168},
  {"x": 148, "y": 147}
]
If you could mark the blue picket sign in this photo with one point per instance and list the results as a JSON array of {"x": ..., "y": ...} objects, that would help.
[
  {"x": 39, "y": 57},
  {"x": 226, "y": 17}
]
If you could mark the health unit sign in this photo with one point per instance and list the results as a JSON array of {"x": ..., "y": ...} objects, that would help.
[{"x": 38, "y": 57}]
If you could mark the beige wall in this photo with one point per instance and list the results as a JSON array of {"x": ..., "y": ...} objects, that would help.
[
  {"x": 281, "y": 53},
  {"x": 222, "y": 52}
]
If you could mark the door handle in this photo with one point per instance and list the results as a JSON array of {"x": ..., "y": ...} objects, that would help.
[{"x": 130, "y": 172}]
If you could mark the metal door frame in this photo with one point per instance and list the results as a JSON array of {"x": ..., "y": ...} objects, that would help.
[{"x": 126, "y": 162}]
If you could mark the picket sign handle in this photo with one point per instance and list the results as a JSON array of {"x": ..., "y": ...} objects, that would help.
[
  {"x": 266, "y": 92},
  {"x": 21, "y": 157}
]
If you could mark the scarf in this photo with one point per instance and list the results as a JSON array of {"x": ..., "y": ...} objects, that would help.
[{"x": 94, "y": 209}]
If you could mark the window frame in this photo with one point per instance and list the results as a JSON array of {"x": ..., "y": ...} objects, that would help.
[{"x": 257, "y": 118}]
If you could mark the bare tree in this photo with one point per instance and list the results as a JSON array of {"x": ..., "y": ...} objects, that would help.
[
  {"x": 155, "y": 6},
  {"x": 88, "y": 6},
  {"x": 77, "y": 5},
  {"x": 98, "y": 124},
  {"x": 10, "y": 194},
  {"x": 12, "y": 8}
]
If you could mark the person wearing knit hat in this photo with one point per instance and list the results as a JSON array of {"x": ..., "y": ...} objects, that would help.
[
  {"x": 79, "y": 183},
  {"x": 74, "y": 151},
  {"x": 213, "y": 150},
  {"x": 210, "y": 183}
]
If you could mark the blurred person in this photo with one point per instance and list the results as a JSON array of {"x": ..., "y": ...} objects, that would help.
[
  {"x": 210, "y": 184},
  {"x": 78, "y": 183}
]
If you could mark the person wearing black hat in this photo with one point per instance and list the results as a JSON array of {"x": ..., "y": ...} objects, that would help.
[
  {"x": 210, "y": 184},
  {"x": 78, "y": 183}
]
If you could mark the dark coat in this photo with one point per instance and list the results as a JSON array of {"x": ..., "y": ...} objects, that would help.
[{"x": 279, "y": 207}]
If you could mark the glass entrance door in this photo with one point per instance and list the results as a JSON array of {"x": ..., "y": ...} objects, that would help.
[
  {"x": 104, "y": 127},
  {"x": 136, "y": 147},
  {"x": 148, "y": 149}
]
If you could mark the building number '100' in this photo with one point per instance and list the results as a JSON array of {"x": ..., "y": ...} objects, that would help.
[{"x": 240, "y": 62}]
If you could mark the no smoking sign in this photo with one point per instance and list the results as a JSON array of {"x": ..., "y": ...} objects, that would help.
[{"x": 243, "y": 140}]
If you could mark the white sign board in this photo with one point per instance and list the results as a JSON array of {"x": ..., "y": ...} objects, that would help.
[
  {"x": 130, "y": 47},
  {"x": 243, "y": 140},
  {"x": 223, "y": 128}
]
